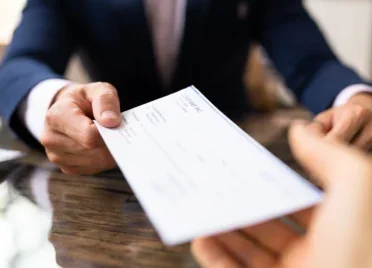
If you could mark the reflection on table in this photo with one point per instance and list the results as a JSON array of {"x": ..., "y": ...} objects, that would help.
[{"x": 25, "y": 218}]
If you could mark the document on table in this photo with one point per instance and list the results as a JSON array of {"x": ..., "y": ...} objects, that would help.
[{"x": 196, "y": 173}]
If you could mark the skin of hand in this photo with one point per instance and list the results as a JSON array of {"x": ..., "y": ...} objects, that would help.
[
  {"x": 339, "y": 231},
  {"x": 70, "y": 137},
  {"x": 350, "y": 123}
]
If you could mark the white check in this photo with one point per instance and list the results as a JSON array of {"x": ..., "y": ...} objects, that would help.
[{"x": 196, "y": 173}]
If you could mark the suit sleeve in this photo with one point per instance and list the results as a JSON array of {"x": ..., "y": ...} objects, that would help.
[
  {"x": 301, "y": 54},
  {"x": 40, "y": 50}
]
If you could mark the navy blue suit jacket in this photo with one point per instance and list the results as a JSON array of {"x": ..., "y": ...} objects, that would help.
[{"x": 114, "y": 39}]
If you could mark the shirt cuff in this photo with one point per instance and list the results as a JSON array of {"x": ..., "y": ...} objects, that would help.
[
  {"x": 344, "y": 96},
  {"x": 34, "y": 107}
]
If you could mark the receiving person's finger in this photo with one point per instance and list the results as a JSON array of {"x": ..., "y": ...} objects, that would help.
[
  {"x": 246, "y": 251},
  {"x": 322, "y": 123},
  {"x": 322, "y": 157},
  {"x": 105, "y": 104},
  {"x": 273, "y": 235},
  {"x": 346, "y": 125},
  {"x": 317, "y": 127},
  {"x": 67, "y": 118},
  {"x": 210, "y": 253},
  {"x": 364, "y": 139}
]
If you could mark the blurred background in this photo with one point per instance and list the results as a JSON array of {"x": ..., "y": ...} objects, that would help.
[{"x": 347, "y": 25}]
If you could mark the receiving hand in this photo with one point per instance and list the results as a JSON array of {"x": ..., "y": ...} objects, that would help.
[
  {"x": 70, "y": 137},
  {"x": 339, "y": 231},
  {"x": 350, "y": 123}
]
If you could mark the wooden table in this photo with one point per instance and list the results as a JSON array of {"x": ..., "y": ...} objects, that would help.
[{"x": 97, "y": 221}]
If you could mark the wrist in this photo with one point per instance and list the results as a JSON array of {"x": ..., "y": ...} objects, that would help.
[{"x": 362, "y": 98}]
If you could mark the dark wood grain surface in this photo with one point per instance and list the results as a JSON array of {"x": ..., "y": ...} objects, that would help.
[{"x": 97, "y": 221}]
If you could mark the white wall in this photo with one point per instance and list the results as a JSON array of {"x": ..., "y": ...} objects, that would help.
[
  {"x": 9, "y": 16},
  {"x": 348, "y": 27}
]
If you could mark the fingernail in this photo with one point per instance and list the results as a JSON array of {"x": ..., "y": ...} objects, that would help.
[{"x": 109, "y": 115}]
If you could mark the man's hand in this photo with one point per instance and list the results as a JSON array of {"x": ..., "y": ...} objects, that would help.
[
  {"x": 70, "y": 137},
  {"x": 350, "y": 123},
  {"x": 339, "y": 231}
]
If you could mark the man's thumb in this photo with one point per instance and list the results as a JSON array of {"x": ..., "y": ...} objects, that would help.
[{"x": 105, "y": 104}]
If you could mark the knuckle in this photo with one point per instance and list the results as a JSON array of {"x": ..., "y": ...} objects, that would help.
[
  {"x": 45, "y": 139},
  {"x": 107, "y": 89},
  {"x": 107, "y": 86},
  {"x": 70, "y": 92},
  {"x": 106, "y": 160},
  {"x": 88, "y": 142},
  {"x": 50, "y": 116},
  {"x": 89, "y": 139},
  {"x": 360, "y": 111},
  {"x": 220, "y": 260},
  {"x": 79, "y": 91},
  {"x": 99, "y": 84},
  {"x": 54, "y": 158},
  {"x": 75, "y": 111},
  {"x": 76, "y": 89}
]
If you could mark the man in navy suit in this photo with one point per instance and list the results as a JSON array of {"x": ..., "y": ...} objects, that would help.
[{"x": 142, "y": 50}]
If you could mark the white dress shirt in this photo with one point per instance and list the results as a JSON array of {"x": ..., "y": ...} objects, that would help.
[{"x": 166, "y": 19}]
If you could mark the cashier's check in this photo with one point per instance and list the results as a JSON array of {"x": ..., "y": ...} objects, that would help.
[{"x": 196, "y": 173}]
